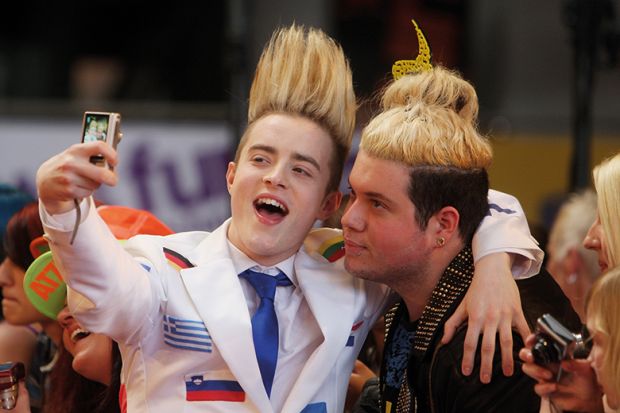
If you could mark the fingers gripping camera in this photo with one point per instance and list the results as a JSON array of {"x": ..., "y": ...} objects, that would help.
[
  {"x": 10, "y": 375},
  {"x": 555, "y": 343},
  {"x": 101, "y": 126}
]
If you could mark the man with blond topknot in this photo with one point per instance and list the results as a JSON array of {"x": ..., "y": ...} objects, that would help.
[{"x": 419, "y": 191}]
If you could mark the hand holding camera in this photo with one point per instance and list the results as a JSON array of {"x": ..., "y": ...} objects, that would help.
[
  {"x": 71, "y": 175},
  {"x": 552, "y": 351},
  {"x": 10, "y": 375},
  {"x": 102, "y": 127},
  {"x": 554, "y": 343}
]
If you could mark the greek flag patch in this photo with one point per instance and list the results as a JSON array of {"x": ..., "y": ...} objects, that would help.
[{"x": 186, "y": 334}]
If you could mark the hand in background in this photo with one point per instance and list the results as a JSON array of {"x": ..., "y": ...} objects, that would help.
[
  {"x": 23, "y": 401},
  {"x": 360, "y": 375},
  {"x": 577, "y": 389}
]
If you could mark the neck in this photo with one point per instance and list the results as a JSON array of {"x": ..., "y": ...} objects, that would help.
[
  {"x": 416, "y": 294},
  {"x": 53, "y": 330},
  {"x": 416, "y": 302},
  {"x": 579, "y": 305}
]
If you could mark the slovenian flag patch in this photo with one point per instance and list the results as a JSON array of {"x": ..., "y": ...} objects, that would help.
[
  {"x": 354, "y": 328},
  {"x": 199, "y": 389}
]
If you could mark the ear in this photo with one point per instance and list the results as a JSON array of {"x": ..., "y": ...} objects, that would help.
[
  {"x": 572, "y": 263},
  {"x": 330, "y": 205},
  {"x": 447, "y": 222},
  {"x": 230, "y": 175}
]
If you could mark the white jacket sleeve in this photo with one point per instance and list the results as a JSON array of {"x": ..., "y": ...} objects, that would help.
[
  {"x": 110, "y": 292},
  {"x": 505, "y": 229}
]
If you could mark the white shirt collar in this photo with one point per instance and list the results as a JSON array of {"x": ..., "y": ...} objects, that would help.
[{"x": 242, "y": 262}]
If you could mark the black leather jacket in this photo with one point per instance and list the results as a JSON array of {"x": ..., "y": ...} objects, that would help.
[
  {"x": 433, "y": 371},
  {"x": 439, "y": 385}
]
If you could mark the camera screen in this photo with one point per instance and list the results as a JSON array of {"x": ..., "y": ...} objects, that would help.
[{"x": 95, "y": 127}]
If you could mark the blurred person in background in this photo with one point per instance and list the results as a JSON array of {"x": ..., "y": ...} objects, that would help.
[
  {"x": 15, "y": 341},
  {"x": 86, "y": 376},
  {"x": 39, "y": 334},
  {"x": 603, "y": 321},
  {"x": 88, "y": 372},
  {"x": 571, "y": 265},
  {"x": 11, "y": 201},
  {"x": 580, "y": 391}
]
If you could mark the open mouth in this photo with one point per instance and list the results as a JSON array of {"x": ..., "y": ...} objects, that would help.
[
  {"x": 269, "y": 207},
  {"x": 79, "y": 334}
]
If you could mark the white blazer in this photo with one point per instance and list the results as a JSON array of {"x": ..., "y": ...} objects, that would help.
[
  {"x": 121, "y": 298},
  {"x": 144, "y": 301}
]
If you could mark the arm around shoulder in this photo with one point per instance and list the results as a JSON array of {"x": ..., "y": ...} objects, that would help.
[{"x": 505, "y": 229}]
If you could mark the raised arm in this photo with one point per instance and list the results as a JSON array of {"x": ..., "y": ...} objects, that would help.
[
  {"x": 503, "y": 250},
  {"x": 110, "y": 292}
]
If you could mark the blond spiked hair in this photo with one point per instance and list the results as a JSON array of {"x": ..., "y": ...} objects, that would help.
[
  {"x": 428, "y": 118},
  {"x": 304, "y": 72}
]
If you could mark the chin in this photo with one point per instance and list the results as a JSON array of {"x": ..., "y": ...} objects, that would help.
[
  {"x": 81, "y": 368},
  {"x": 612, "y": 401},
  {"x": 84, "y": 368},
  {"x": 358, "y": 272},
  {"x": 260, "y": 249}
]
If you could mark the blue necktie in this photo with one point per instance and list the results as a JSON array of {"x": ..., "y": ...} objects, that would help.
[{"x": 265, "y": 322}]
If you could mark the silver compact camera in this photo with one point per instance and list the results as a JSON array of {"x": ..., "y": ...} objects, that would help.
[
  {"x": 101, "y": 126},
  {"x": 10, "y": 375}
]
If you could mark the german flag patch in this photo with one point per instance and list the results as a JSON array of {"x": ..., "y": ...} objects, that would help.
[{"x": 176, "y": 260}]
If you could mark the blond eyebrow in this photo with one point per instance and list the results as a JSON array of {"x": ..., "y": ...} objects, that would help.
[{"x": 296, "y": 155}]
